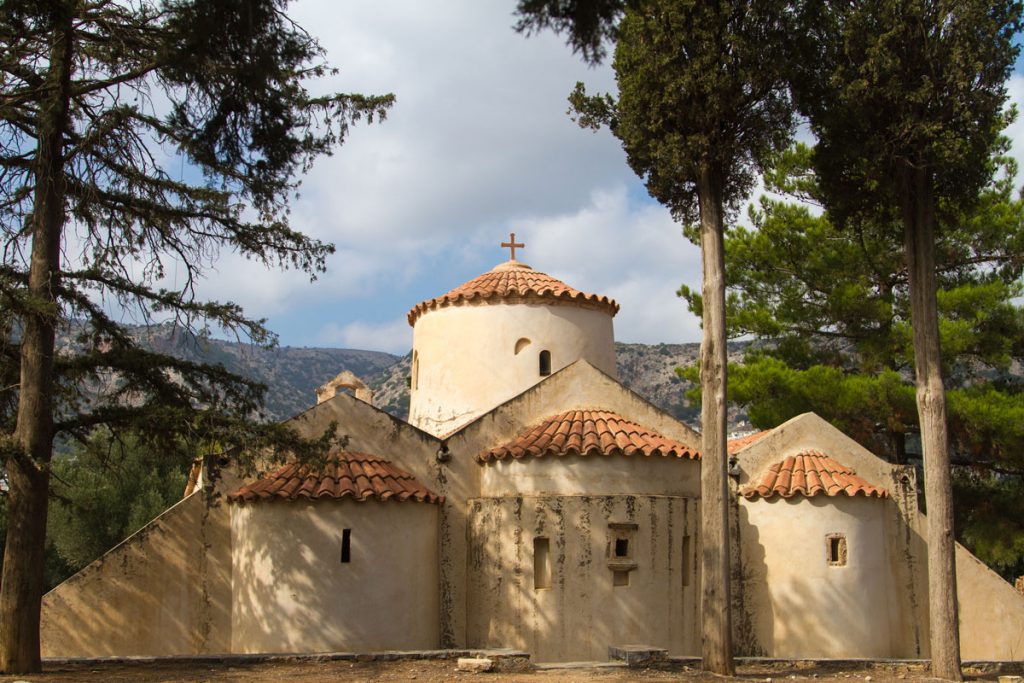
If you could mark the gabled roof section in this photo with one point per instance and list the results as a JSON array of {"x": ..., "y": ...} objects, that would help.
[
  {"x": 589, "y": 432},
  {"x": 358, "y": 476},
  {"x": 811, "y": 473},
  {"x": 514, "y": 281}
]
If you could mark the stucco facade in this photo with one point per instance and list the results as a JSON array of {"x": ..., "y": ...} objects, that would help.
[
  {"x": 820, "y": 606},
  {"x": 544, "y": 575},
  {"x": 586, "y": 536},
  {"x": 294, "y": 591},
  {"x": 165, "y": 591},
  {"x": 469, "y": 358}
]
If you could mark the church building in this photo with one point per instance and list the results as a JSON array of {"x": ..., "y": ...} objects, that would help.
[{"x": 530, "y": 502}]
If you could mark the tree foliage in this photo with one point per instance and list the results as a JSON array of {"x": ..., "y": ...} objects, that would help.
[
  {"x": 188, "y": 124},
  {"x": 699, "y": 88},
  {"x": 702, "y": 101},
  {"x": 906, "y": 100},
  {"x": 587, "y": 24},
  {"x": 105, "y": 490},
  {"x": 832, "y": 308},
  {"x": 138, "y": 142}
]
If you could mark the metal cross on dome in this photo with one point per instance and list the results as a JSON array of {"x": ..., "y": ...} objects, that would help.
[{"x": 513, "y": 245}]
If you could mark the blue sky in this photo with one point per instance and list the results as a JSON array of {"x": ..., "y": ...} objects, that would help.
[{"x": 477, "y": 145}]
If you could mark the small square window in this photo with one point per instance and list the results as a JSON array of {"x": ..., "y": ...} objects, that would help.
[{"x": 621, "y": 550}]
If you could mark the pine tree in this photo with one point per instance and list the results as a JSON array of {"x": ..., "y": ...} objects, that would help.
[
  {"x": 905, "y": 98},
  {"x": 134, "y": 136},
  {"x": 830, "y": 311}
]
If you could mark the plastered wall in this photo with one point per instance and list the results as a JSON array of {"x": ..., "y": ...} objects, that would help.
[
  {"x": 991, "y": 612},
  {"x": 467, "y": 359},
  {"x": 580, "y": 385},
  {"x": 582, "y": 611},
  {"x": 803, "y": 606},
  {"x": 166, "y": 590},
  {"x": 292, "y": 593}
]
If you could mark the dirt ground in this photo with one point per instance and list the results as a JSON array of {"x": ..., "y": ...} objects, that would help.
[{"x": 437, "y": 671}]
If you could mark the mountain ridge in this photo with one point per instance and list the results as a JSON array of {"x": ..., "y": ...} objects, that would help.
[{"x": 292, "y": 373}]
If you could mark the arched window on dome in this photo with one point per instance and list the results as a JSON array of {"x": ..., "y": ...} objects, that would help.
[
  {"x": 521, "y": 344},
  {"x": 545, "y": 363}
]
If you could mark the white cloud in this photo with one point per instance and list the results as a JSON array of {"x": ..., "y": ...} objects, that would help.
[
  {"x": 477, "y": 144},
  {"x": 394, "y": 336},
  {"x": 478, "y": 130},
  {"x": 629, "y": 250}
]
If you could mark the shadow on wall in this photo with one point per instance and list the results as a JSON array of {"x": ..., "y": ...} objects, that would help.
[
  {"x": 821, "y": 576},
  {"x": 564, "y": 577},
  {"x": 753, "y": 611},
  {"x": 164, "y": 591},
  {"x": 334, "y": 575}
]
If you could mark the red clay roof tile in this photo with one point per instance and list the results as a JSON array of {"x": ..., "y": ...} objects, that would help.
[
  {"x": 742, "y": 442},
  {"x": 811, "y": 473},
  {"x": 345, "y": 475},
  {"x": 589, "y": 432},
  {"x": 513, "y": 280}
]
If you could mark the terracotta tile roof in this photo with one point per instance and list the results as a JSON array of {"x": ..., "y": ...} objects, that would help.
[
  {"x": 811, "y": 473},
  {"x": 741, "y": 442},
  {"x": 513, "y": 280},
  {"x": 589, "y": 432},
  {"x": 345, "y": 475}
]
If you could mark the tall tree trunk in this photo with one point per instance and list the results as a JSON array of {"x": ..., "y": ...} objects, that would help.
[
  {"x": 28, "y": 458},
  {"x": 715, "y": 595},
  {"x": 919, "y": 233}
]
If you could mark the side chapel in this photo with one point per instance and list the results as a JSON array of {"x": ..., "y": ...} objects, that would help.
[{"x": 531, "y": 502}]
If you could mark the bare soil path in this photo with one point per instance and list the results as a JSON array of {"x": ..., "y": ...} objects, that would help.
[{"x": 438, "y": 671}]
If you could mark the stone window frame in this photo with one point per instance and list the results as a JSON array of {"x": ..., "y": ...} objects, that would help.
[{"x": 837, "y": 550}]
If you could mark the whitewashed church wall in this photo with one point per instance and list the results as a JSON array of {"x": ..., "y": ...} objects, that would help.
[
  {"x": 618, "y": 474},
  {"x": 292, "y": 592},
  {"x": 370, "y": 430},
  {"x": 166, "y": 590},
  {"x": 471, "y": 358},
  {"x": 569, "y": 607},
  {"x": 800, "y": 600},
  {"x": 991, "y": 612}
]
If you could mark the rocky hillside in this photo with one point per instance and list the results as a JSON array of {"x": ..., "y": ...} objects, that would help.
[
  {"x": 647, "y": 369},
  {"x": 293, "y": 373}
]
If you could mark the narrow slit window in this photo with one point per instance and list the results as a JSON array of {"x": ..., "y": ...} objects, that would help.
[
  {"x": 415, "y": 370},
  {"x": 836, "y": 550},
  {"x": 346, "y": 546},
  {"x": 541, "y": 563},
  {"x": 621, "y": 547},
  {"x": 545, "y": 363},
  {"x": 687, "y": 561}
]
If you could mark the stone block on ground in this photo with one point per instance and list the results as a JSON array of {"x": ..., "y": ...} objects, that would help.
[
  {"x": 636, "y": 656},
  {"x": 475, "y": 664},
  {"x": 1011, "y": 679}
]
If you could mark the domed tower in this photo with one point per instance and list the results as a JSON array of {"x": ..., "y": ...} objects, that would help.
[{"x": 497, "y": 335}]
